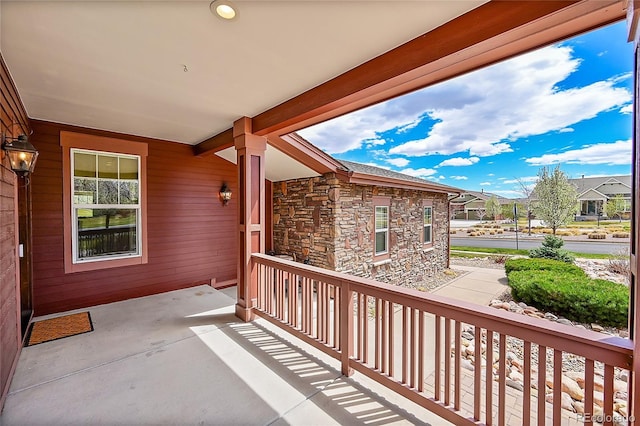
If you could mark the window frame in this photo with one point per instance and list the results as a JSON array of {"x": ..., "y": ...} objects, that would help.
[
  {"x": 386, "y": 203},
  {"x": 426, "y": 244},
  {"x": 70, "y": 141}
]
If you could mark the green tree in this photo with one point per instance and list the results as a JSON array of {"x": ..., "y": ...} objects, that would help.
[
  {"x": 507, "y": 210},
  {"x": 556, "y": 199},
  {"x": 615, "y": 206},
  {"x": 493, "y": 208}
]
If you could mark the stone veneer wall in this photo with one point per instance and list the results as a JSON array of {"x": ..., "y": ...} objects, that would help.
[
  {"x": 304, "y": 219},
  {"x": 333, "y": 220}
]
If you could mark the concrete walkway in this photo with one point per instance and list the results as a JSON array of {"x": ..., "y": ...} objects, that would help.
[{"x": 479, "y": 285}]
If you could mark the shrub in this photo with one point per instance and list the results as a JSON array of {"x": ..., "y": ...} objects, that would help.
[
  {"x": 574, "y": 296},
  {"x": 452, "y": 231},
  {"x": 597, "y": 236},
  {"x": 564, "y": 233},
  {"x": 523, "y": 264},
  {"x": 620, "y": 263},
  {"x": 551, "y": 249},
  {"x": 620, "y": 235}
]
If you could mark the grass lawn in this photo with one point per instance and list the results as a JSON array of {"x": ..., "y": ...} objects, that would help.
[{"x": 508, "y": 251}]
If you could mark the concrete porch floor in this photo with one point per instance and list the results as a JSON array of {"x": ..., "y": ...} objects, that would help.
[{"x": 183, "y": 358}]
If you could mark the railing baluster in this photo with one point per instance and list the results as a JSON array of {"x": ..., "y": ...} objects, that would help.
[
  {"x": 391, "y": 338},
  {"x": 542, "y": 384},
  {"x": 447, "y": 361},
  {"x": 588, "y": 391},
  {"x": 405, "y": 344},
  {"x": 502, "y": 380},
  {"x": 385, "y": 336},
  {"x": 608, "y": 395},
  {"x": 557, "y": 386},
  {"x": 377, "y": 335},
  {"x": 526, "y": 403},
  {"x": 488, "y": 383},
  {"x": 457, "y": 372},
  {"x": 360, "y": 327},
  {"x": 412, "y": 348},
  {"x": 365, "y": 331},
  {"x": 436, "y": 358},
  {"x": 420, "y": 351},
  {"x": 477, "y": 372},
  {"x": 336, "y": 317}
]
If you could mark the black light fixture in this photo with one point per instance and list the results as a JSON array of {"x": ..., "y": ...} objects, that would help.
[
  {"x": 225, "y": 194},
  {"x": 22, "y": 155}
]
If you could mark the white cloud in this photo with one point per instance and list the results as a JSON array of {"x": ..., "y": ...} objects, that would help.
[
  {"x": 459, "y": 177},
  {"x": 491, "y": 175},
  {"x": 627, "y": 109},
  {"x": 485, "y": 183},
  {"x": 523, "y": 179},
  {"x": 566, "y": 130},
  {"x": 398, "y": 162},
  {"x": 479, "y": 120},
  {"x": 616, "y": 153},
  {"x": 441, "y": 177},
  {"x": 422, "y": 172},
  {"x": 459, "y": 161}
]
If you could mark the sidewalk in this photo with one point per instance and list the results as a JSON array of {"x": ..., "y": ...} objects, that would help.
[{"x": 479, "y": 285}]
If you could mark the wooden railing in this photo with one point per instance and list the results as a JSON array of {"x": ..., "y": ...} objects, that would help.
[
  {"x": 410, "y": 342},
  {"x": 116, "y": 239}
]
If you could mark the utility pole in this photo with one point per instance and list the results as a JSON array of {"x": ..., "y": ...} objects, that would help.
[{"x": 515, "y": 218}]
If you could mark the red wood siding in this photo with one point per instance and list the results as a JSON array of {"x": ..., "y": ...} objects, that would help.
[
  {"x": 192, "y": 237},
  {"x": 13, "y": 120}
]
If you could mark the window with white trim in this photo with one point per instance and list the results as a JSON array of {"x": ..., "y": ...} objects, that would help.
[
  {"x": 105, "y": 206},
  {"x": 427, "y": 229},
  {"x": 382, "y": 230}
]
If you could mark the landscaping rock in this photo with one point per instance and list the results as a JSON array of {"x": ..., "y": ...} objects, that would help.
[
  {"x": 564, "y": 321},
  {"x": 572, "y": 388},
  {"x": 515, "y": 385}
]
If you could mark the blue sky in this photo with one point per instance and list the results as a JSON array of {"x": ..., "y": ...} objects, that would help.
[{"x": 568, "y": 104}]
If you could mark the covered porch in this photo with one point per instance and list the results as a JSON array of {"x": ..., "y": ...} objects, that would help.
[{"x": 234, "y": 357}]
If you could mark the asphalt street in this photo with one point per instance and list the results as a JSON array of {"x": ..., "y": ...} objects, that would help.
[{"x": 528, "y": 244}]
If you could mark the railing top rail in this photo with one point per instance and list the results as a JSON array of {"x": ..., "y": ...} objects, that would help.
[{"x": 612, "y": 350}]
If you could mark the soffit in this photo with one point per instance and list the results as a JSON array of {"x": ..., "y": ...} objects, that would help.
[{"x": 119, "y": 66}]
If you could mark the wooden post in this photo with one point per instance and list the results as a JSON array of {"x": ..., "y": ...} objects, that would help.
[
  {"x": 633, "y": 19},
  {"x": 250, "y": 151}
]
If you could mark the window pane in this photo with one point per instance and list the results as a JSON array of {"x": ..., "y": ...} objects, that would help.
[
  {"x": 381, "y": 242},
  {"x": 382, "y": 218},
  {"x": 107, "y": 167},
  {"x": 84, "y": 165},
  {"x": 427, "y": 215},
  {"x": 106, "y": 232},
  {"x": 84, "y": 191},
  {"x": 128, "y": 192},
  {"x": 427, "y": 234},
  {"x": 107, "y": 192},
  {"x": 129, "y": 168}
]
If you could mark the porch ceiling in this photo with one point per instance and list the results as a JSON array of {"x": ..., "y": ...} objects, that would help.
[{"x": 120, "y": 66}]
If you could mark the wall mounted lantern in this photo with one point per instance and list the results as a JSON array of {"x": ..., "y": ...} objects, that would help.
[
  {"x": 225, "y": 194},
  {"x": 22, "y": 155}
]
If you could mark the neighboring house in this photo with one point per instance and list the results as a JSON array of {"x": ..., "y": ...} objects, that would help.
[
  {"x": 467, "y": 205},
  {"x": 365, "y": 221},
  {"x": 594, "y": 192}
]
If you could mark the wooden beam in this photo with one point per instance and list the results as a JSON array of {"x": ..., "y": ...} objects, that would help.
[
  {"x": 215, "y": 143},
  {"x": 488, "y": 34}
]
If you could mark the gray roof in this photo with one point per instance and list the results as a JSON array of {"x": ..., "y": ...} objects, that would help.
[
  {"x": 586, "y": 183},
  {"x": 378, "y": 171}
]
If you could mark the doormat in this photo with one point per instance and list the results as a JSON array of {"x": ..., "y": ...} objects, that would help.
[{"x": 59, "y": 328}]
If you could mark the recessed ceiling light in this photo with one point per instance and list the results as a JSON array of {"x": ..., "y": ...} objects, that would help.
[{"x": 224, "y": 9}]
